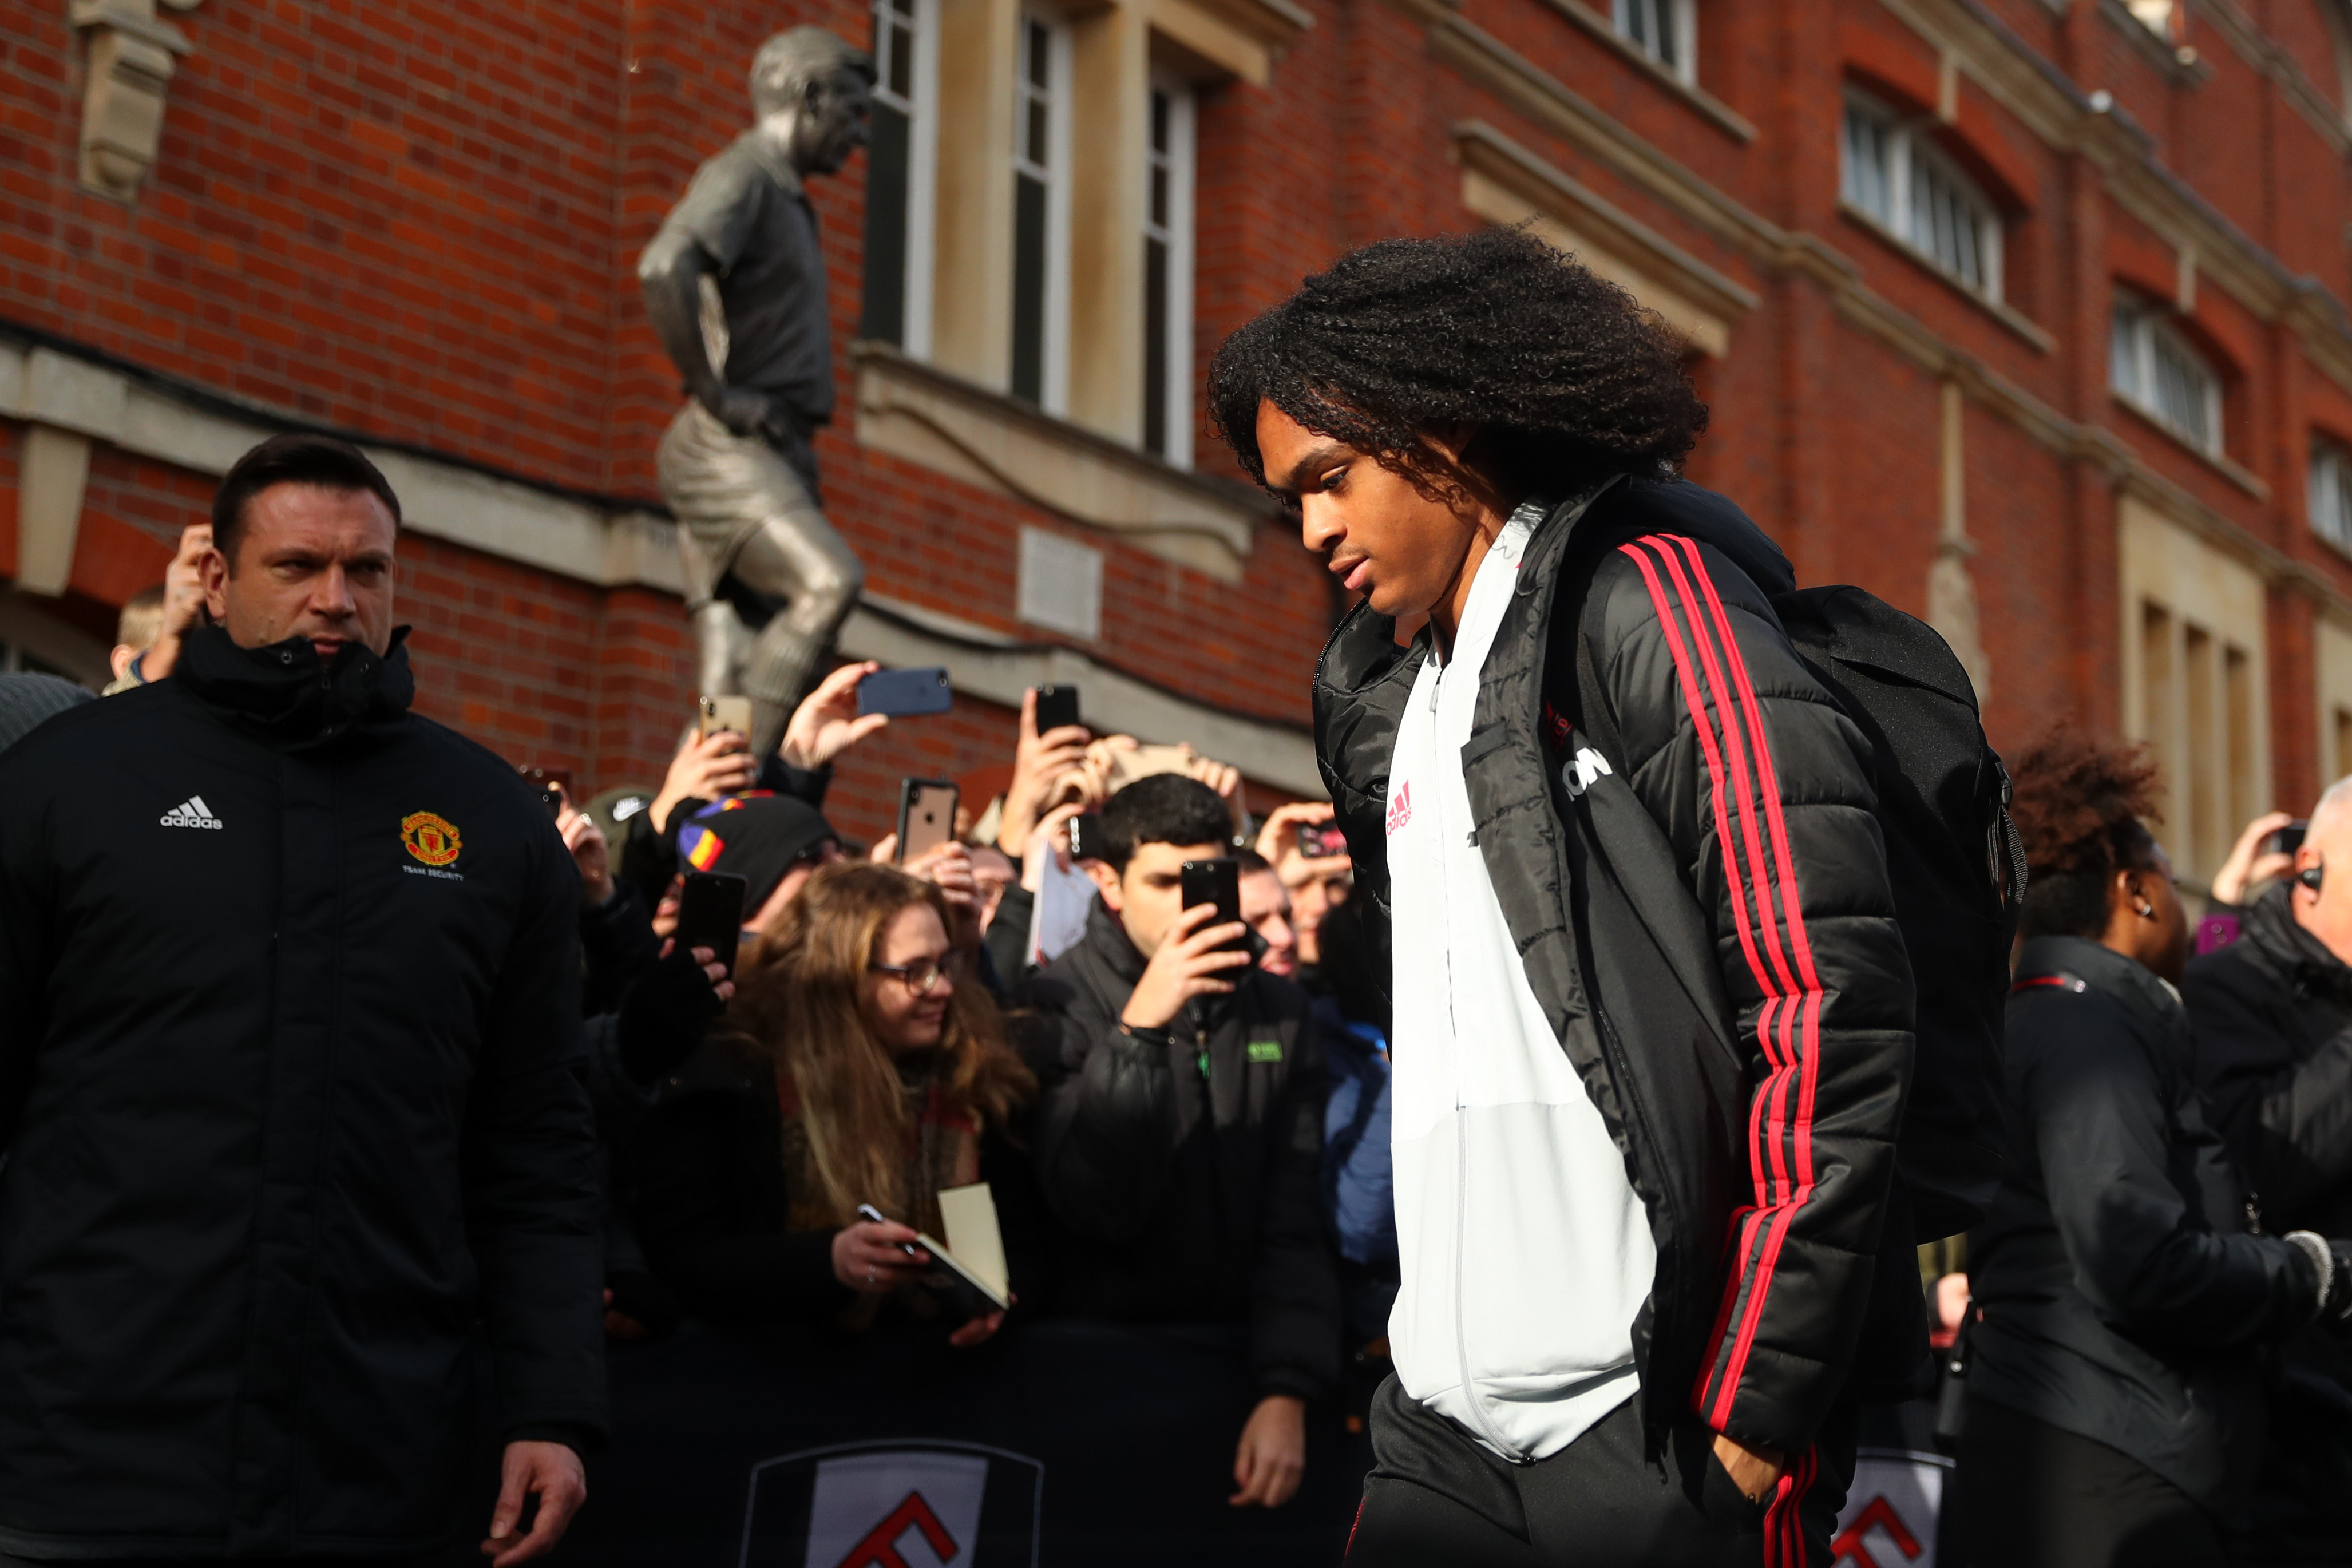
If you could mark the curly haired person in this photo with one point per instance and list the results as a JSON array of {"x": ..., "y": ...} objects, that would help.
[
  {"x": 1651, "y": 1245},
  {"x": 2112, "y": 1399}
]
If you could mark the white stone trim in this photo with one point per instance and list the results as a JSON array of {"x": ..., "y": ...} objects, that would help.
[{"x": 576, "y": 538}]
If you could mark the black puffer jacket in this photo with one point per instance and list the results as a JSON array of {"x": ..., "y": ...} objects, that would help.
[
  {"x": 1713, "y": 939},
  {"x": 1184, "y": 1163},
  {"x": 300, "y": 1212},
  {"x": 2123, "y": 1296}
]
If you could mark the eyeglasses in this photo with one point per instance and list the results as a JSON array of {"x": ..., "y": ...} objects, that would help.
[{"x": 922, "y": 977}]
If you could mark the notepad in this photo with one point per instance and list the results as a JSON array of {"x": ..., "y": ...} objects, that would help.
[{"x": 975, "y": 1247}]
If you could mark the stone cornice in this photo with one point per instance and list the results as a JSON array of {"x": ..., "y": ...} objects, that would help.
[{"x": 1478, "y": 145}]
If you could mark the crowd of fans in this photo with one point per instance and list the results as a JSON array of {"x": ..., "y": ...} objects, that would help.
[{"x": 1180, "y": 1120}]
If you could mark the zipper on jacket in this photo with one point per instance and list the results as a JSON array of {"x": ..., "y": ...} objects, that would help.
[{"x": 1461, "y": 1334}]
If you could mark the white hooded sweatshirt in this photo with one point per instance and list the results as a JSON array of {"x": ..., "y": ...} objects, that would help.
[{"x": 1526, "y": 1254}]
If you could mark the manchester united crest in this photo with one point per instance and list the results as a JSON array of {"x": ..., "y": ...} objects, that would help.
[{"x": 431, "y": 838}]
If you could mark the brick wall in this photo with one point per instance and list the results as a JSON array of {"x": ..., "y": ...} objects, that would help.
[{"x": 418, "y": 219}]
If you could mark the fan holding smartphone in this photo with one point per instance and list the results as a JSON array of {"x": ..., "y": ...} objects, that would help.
[{"x": 1162, "y": 989}]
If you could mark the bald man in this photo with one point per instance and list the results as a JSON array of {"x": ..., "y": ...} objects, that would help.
[{"x": 2272, "y": 1017}]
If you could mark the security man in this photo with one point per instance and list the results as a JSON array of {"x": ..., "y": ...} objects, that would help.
[{"x": 298, "y": 1222}]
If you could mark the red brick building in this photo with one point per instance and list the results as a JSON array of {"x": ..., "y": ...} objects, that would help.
[{"x": 2028, "y": 314}]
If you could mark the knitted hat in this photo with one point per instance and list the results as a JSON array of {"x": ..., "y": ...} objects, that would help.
[
  {"x": 28, "y": 701},
  {"x": 756, "y": 837}
]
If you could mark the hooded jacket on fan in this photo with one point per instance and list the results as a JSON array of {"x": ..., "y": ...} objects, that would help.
[
  {"x": 299, "y": 1219},
  {"x": 1707, "y": 929}
]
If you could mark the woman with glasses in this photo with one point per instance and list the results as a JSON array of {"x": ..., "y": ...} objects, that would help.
[{"x": 858, "y": 1066}]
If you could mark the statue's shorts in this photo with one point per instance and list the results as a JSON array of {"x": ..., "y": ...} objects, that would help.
[{"x": 724, "y": 488}]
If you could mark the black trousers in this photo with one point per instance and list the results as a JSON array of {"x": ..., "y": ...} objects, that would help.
[
  {"x": 1437, "y": 1497},
  {"x": 2029, "y": 1495}
]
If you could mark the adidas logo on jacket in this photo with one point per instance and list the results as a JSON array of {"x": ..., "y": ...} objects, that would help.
[{"x": 191, "y": 813}]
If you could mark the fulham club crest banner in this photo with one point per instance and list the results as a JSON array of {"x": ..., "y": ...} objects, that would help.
[{"x": 895, "y": 1505}]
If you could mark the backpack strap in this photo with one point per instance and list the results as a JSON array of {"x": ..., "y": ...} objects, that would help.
[{"x": 1573, "y": 696}]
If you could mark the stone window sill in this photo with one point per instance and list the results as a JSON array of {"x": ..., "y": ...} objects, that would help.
[
  {"x": 2237, "y": 474},
  {"x": 1725, "y": 118},
  {"x": 2009, "y": 316},
  {"x": 927, "y": 416}
]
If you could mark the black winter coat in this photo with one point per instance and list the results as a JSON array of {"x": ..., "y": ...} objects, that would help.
[
  {"x": 711, "y": 1201},
  {"x": 1184, "y": 1163},
  {"x": 1713, "y": 939},
  {"x": 2273, "y": 1016},
  {"x": 300, "y": 1212},
  {"x": 2123, "y": 1296}
]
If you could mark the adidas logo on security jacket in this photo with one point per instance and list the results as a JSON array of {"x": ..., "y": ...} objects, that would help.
[{"x": 192, "y": 813}]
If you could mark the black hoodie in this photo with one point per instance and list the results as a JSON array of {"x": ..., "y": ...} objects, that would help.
[{"x": 299, "y": 1217}]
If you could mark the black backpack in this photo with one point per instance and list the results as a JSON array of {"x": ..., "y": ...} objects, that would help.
[
  {"x": 1953, "y": 856},
  {"x": 1958, "y": 873}
]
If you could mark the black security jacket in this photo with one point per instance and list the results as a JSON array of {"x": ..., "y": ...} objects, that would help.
[
  {"x": 1714, "y": 941},
  {"x": 2123, "y": 1296},
  {"x": 299, "y": 1217},
  {"x": 1183, "y": 1163}
]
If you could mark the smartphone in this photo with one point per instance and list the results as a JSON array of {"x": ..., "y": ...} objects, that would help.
[
  {"x": 1321, "y": 840},
  {"x": 904, "y": 692},
  {"x": 551, "y": 784},
  {"x": 713, "y": 714},
  {"x": 1087, "y": 836},
  {"x": 927, "y": 809},
  {"x": 2289, "y": 839},
  {"x": 1217, "y": 882},
  {"x": 1058, "y": 706},
  {"x": 710, "y": 914}
]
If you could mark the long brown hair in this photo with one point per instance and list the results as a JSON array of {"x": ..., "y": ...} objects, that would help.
[{"x": 799, "y": 1006}]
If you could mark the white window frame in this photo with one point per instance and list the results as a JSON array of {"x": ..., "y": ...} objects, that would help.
[
  {"x": 1055, "y": 174},
  {"x": 1636, "y": 23},
  {"x": 1179, "y": 162},
  {"x": 1910, "y": 158},
  {"x": 922, "y": 112},
  {"x": 2329, "y": 506},
  {"x": 2139, "y": 333}
]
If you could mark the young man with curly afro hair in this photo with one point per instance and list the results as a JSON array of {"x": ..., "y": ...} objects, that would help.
[
  {"x": 2123, "y": 1289},
  {"x": 1652, "y": 1011}
]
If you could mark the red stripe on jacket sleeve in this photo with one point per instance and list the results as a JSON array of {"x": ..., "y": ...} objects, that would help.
[{"x": 1760, "y": 862}]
